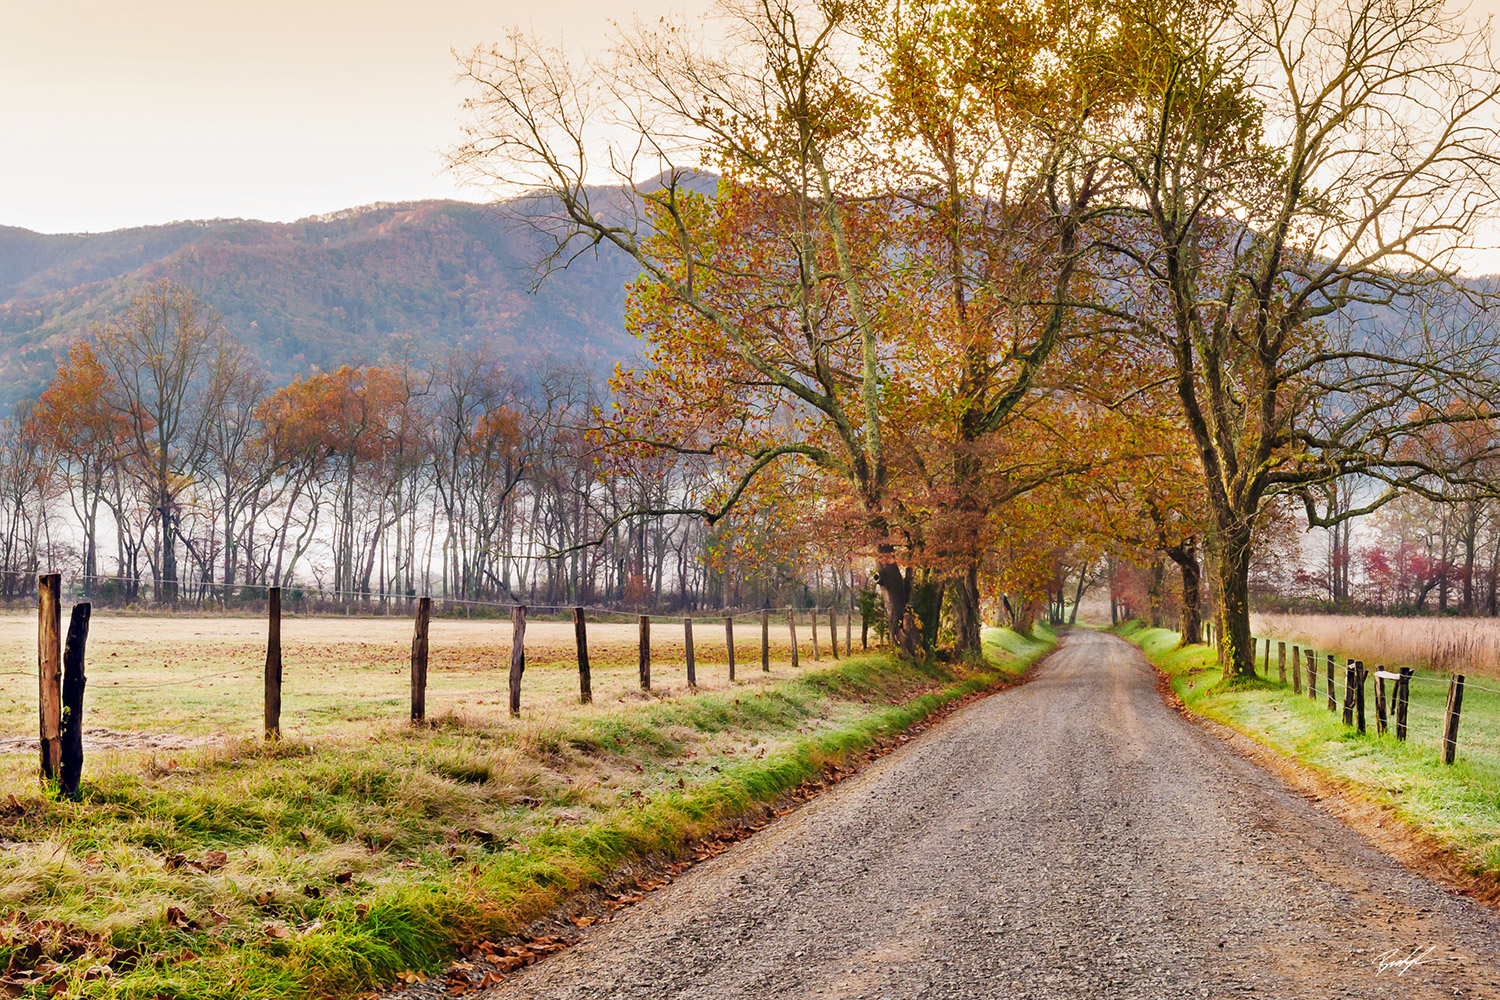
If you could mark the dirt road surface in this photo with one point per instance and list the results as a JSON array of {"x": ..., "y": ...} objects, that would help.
[{"x": 1074, "y": 837}]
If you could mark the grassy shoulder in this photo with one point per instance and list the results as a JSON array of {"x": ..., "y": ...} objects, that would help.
[
  {"x": 1457, "y": 805},
  {"x": 250, "y": 870}
]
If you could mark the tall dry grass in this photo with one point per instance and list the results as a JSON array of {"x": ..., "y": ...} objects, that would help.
[{"x": 1447, "y": 645}]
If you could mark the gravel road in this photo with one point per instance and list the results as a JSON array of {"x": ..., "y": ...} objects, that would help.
[{"x": 1073, "y": 837}]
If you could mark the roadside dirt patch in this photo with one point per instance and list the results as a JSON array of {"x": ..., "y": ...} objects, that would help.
[{"x": 109, "y": 739}]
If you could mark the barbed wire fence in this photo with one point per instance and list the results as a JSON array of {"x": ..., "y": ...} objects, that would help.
[{"x": 1409, "y": 703}]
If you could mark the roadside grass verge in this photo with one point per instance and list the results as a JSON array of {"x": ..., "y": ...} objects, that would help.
[
  {"x": 259, "y": 871},
  {"x": 1457, "y": 805}
]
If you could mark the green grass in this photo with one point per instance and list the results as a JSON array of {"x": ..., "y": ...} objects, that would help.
[
  {"x": 1459, "y": 805},
  {"x": 348, "y": 861}
]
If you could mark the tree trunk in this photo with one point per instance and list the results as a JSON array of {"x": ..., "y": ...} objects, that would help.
[
  {"x": 966, "y": 610},
  {"x": 167, "y": 590},
  {"x": 1158, "y": 572},
  {"x": 1185, "y": 555},
  {"x": 1238, "y": 651},
  {"x": 896, "y": 595}
]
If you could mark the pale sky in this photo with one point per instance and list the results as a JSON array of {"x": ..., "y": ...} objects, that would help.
[{"x": 117, "y": 113}]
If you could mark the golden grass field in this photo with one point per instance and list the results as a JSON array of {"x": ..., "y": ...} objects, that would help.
[
  {"x": 1468, "y": 646},
  {"x": 160, "y": 682}
]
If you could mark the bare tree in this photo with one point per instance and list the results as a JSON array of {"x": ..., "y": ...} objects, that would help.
[{"x": 160, "y": 352}]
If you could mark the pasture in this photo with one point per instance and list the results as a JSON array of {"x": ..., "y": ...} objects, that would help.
[{"x": 169, "y": 682}]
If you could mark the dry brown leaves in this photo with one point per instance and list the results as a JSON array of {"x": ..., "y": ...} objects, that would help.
[
  {"x": 41, "y": 950},
  {"x": 489, "y": 963}
]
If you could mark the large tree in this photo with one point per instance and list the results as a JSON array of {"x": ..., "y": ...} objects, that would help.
[
  {"x": 777, "y": 304},
  {"x": 1305, "y": 176}
]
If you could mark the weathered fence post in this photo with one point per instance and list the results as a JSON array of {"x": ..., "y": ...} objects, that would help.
[
  {"x": 419, "y": 660},
  {"x": 1450, "y": 723},
  {"x": 1380, "y": 712},
  {"x": 273, "y": 663},
  {"x": 864, "y": 632},
  {"x": 1268, "y": 662},
  {"x": 1280, "y": 661},
  {"x": 1350, "y": 676},
  {"x": 1312, "y": 676},
  {"x": 765, "y": 639},
  {"x": 687, "y": 637},
  {"x": 1403, "y": 692},
  {"x": 517, "y": 657},
  {"x": 833, "y": 632},
  {"x": 581, "y": 634},
  {"x": 1333, "y": 703},
  {"x": 817, "y": 650},
  {"x": 645, "y": 652},
  {"x": 1296, "y": 670},
  {"x": 791, "y": 624},
  {"x": 1359, "y": 695},
  {"x": 729, "y": 642},
  {"x": 70, "y": 736},
  {"x": 49, "y": 670}
]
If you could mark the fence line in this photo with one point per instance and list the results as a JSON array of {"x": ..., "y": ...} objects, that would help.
[
  {"x": 189, "y": 590},
  {"x": 1352, "y": 705},
  {"x": 54, "y": 685}
]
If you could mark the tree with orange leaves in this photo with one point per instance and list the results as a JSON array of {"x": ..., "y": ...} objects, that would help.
[{"x": 75, "y": 420}]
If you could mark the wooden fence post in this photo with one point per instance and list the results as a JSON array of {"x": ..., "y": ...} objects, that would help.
[
  {"x": 273, "y": 663},
  {"x": 49, "y": 670},
  {"x": 1312, "y": 676},
  {"x": 729, "y": 642},
  {"x": 585, "y": 681},
  {"x": 1450, "y": 723},
  {"x": 1268, "y": 662},
  {"x": 645, "y": 652},
  {"x": 833, "y": 632},
  {"x": 517, "y": 657},
  {"x": 1403, "y": 692},
  {"x": 1280, "y": 661},
  {"x": 864, "y": 632},
  {"x": 791, "y": 624},
  {"x": 70, "y": 737},
  {"x": 687, "y": 636},
  {"x": 419, "y": 660},
  {"x": 817, "y": 650},
  {"x": 1333, "y": 703},
  {"x": 1296, "y": 670},
  {"x": 765, "y": 639},
  {"x": 1350, "y": 675},
  {"x": 1380, "y": 712},
  {"x": 1359, "y": 695}
]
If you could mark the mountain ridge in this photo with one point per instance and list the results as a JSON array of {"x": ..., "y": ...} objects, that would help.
[{"x": 347, "y": 286}]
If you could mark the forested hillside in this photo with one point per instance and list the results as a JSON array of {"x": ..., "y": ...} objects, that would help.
[{"x": 329, "y": 290}]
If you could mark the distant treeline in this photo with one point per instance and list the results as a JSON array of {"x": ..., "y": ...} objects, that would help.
[{"x": 161, "y": 466}]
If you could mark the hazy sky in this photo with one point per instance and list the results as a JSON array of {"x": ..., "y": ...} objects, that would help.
[{"x": 117, "y": 113}]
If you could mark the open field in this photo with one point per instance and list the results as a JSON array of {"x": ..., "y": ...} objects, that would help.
[
  {"x": 180, "y": 681},
  {"x": 1458, "y": 804},
  {"x": 1469, "y": 646},
  {"x": 362, "y": 848}
]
